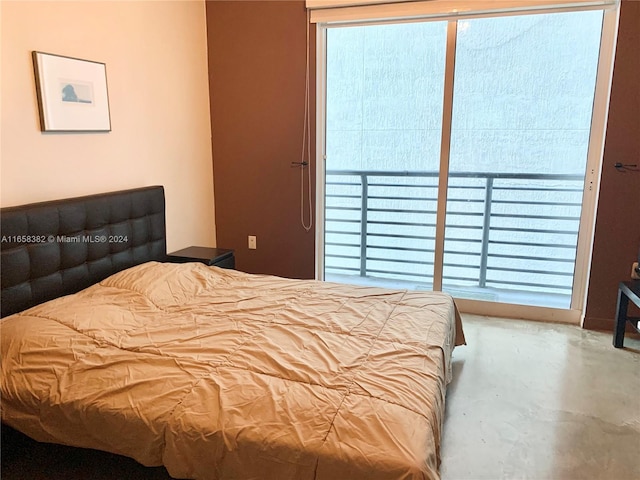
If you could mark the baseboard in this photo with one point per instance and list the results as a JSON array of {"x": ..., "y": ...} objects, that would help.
[
  {"x": 524, "y": 312},
  {"x": 606, "y": 325}
]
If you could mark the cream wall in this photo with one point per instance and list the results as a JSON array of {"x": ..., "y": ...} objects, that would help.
[{"x": 156, "y": 58}]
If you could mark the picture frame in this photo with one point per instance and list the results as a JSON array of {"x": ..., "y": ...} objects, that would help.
[{"x": 72, "y": 94}]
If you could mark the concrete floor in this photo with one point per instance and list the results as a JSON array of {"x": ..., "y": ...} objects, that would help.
[{"x": 541, "y": 401}]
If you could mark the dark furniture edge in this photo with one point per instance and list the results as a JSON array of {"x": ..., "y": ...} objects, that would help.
[
  {"x": 627, "y": 291},
  {"x": 212, "y": 256}
]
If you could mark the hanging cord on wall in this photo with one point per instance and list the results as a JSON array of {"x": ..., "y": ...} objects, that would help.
[{"x": 306, "y": 143}]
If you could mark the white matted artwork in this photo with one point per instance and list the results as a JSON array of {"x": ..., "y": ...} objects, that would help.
[{"x": 72, "y": 94}]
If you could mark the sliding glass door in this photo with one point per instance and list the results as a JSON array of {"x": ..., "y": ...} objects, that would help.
[
  {"x": 522, "y": 106},
  {"x": 520, "y": 94}
]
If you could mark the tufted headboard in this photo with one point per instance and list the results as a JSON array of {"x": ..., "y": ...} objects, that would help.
[{"x": 56, "y": 248}]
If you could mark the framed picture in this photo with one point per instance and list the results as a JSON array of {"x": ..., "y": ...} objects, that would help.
[{"x": 72, "y": 94}]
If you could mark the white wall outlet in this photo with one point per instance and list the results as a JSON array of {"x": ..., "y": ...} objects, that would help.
[
  {"x": 635, "y": 273},
  {"x": 252, "y": 242}
]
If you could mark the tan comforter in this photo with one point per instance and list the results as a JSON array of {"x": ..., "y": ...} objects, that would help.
[{"x": 220, "y": 374}]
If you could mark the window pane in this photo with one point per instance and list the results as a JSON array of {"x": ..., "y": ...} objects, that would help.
[
  {"x": 523, "y": 97},
  {"x": 384, "y": 118}
]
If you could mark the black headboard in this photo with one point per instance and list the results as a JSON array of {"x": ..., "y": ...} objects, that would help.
[{"x": 56, "y": 248}]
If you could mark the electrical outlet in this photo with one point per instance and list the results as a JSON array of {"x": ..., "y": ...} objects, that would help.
[
  {"x": 635, "y": 271},
  {"x": 252, "y": 242}
]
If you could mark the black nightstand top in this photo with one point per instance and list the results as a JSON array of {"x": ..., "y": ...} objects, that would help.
[{"x": 207, "y": 255}]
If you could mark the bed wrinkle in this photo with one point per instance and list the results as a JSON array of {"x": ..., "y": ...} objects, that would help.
[
  {"x": 326, "y": 435},
  {"x": 179, "y": 404},
  {"x": 116, "y": 287},
  {"x": 375, "y": 340},
  {"x": 227, "y": 357},
  {"x": 193, "y": 386},
  {"x": 99, "y": 343},
  {"x": 161, "y": 434},
  {"x": 427, "y": 334},
  {"x": 352, "y": 374},
  {"x": 365, "y": 318},
  {"x": 390, "y": 402},
  {"x": 313, "y": 329},
  {"x": 359, "y": 369},
  {"x": 265, "y": 323},
  {"x": 53, "y": 319},
  {"x": 400, "y": 445},
  {"x": 102, "y": 342},
  {"x": 446, "y": 364},
  {"x": 334, "y": 388}
]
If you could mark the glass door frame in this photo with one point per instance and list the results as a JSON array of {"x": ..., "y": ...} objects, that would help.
[{"x": 604, "y": 75}]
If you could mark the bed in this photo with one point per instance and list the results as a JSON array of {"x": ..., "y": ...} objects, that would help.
[{"x": 213, "y": 373}]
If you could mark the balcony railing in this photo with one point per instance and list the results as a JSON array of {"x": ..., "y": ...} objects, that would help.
[{"x": 504, "y": 230}]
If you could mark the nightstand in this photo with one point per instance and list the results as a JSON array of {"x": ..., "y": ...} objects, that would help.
[{"x": 214, "y": 257}]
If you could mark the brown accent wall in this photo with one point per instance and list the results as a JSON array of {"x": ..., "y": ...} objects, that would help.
[
  {"x": 257, "y": 85},
  {"x": 617, "y": 233},
  {"x": 256, "y": 61}
]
